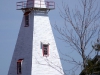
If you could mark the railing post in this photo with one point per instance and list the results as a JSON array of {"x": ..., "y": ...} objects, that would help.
[
  {"x": 48, "y": 4},
  {"x": 16, "y": 6},
  {"x": 22, "y": 5},
  {"x": 54, "y": 5},
  {"x": 40, "y": 3},
  {"x": 33, "y": 3}
]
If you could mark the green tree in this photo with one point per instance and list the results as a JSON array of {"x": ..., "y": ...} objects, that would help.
[{"x": 93, "y": 66}]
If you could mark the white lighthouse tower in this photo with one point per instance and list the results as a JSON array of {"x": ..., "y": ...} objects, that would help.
[{"x": 35, "y": 51}]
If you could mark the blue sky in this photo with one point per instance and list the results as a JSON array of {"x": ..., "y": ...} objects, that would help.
[{"x": 10, "y": 21}]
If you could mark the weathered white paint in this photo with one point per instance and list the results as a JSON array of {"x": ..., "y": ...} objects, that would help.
[
  {"x": 43, "y": 33},
  {"x": 28, "y": 48}
]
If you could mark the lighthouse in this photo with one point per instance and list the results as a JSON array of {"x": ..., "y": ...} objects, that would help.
[{"x": 35, "y": 50}]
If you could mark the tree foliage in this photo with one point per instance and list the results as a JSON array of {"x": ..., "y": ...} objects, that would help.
[{"x": 93, "y": 66}]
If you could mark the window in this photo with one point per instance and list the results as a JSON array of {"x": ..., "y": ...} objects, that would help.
[
  {"x": 45, "y": 49},
  {"x": 26, "y": 20},
  {"x": 19, "y": 66}
]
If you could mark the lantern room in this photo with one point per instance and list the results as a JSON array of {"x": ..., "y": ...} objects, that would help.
[{"x": 36, "y": 5}]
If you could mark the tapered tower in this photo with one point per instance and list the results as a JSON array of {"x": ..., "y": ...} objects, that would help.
[{"x": 35, "y": 51}]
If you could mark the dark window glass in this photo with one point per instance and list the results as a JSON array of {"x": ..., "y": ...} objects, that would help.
[
  {"x": 26, "y": 20},
  {"x": 45, "y": 50},
  {"x": 18, "y": 67}
]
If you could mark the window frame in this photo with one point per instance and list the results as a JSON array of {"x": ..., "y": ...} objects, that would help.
[{"x": 19, "y": 66}]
